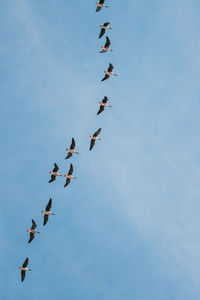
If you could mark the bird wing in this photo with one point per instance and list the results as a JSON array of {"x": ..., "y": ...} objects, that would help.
[
  {"x": 71, "y": 169},
  {"x": 55, "y": 168},
  {"x": 31, "y": 237},
  {"x": 23, "y": 275},
  {"x": 48, "y": 207},
  {"x": 34, "y": 225},
  {"x": 92, "y": 144},
  {"x": 102, "y": 32},
  {"x": 110, "y": 68},
  {"x": 101, "y": 1},
  {"x": 97, "y": 132},
  {"x": 105, "y": 77},
  {"x": 107, "y": 44},
  {"x": 100, "y": 109},
  {"x": 105, "y": 99},
  {"x": 46, "y": 217},
  {"x": 67, "y": 182},
  {"x": 53, "y": 177},
  {"x": 72, "y": 144},
  {"x": 98, "y": 8},
  {"x": 106, "y": 24},
  {"x": 25, "y": 264},
  {"x": 68, "y": 155}
]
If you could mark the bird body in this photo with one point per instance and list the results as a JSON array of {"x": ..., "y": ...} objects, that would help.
[
  {"x": 47, "y": 212},
  {"x": 23, "y": 269},
  {"x": 104, "y": 27},
  {"x": 71, "y": 149}
]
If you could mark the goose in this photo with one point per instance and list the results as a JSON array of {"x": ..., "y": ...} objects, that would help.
[
  {"x": 24, "y": 269},
  {"x": 109, "y": 72},
  {"x": 47, "y": 212},
  {"x": 94, "y": 137},
  {"x": 69, "y": 175},
  {"x": 103, "y": 104},
  {"x": 100, "y": 5},
  {"x": 106, "y": 46},
  {"x": 103, "y": 29},
  {"x": 32, "y": 231},
  {"x": 71, "y": 149},
  {"x": 54, "y": 173}
]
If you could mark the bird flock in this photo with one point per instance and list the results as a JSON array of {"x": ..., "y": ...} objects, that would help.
[{"x": 71, "y": 150}]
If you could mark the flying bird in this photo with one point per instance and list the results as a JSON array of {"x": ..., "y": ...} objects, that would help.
[
  {"x": 106, "y": 46},
  {"x": 103, "y": 29},
  {"x": 103, "y": 104},
  {"x": 47, "y": 212},
  {"x": 24, "y": 269},
  {"x": 71, "y": 149},
  {"x": 32, "y": 231},
  {"x": 100, "y": 5},
  {"x": 69, "y": 176},
  {"x": 94, "y": 137},
  {"x": 54, "y": 173},
  {"x": 109, "y": 72}
]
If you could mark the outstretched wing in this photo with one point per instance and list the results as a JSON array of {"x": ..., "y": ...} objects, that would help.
[
  {"x": 92, "y": 144},
  {"x": 107, "y": 44},
  {"x": 48, "y": 207},
  {"x": 31, "y": 237},
  {"x": 110, "y": 68},
  {"x": 72, "y": 144},
  {"x": 68, "y": 155},
  {"x": 97, "y": 132},
  {"x": 100, "y": 109},
  {"x": 102, "y": 32},
  {"x": 101, "y": 1},
  {"x": 55, "y": 168},
  {"x": 53, "y": 177},
  {"x": 106, "y": 24},
  {"x": 71, "y": 169},
  {"x": 23, "y": 275},
  {"x": 67, "y": 182},
  {"x": 25, "y": 264},
  {"x": 105, "y": 99},
  {"x": 105, "y": 77},
  {"x": 98, "y": 9},
  {"x": 46, "y": 217},
  {"x": 34, "y": 225}
]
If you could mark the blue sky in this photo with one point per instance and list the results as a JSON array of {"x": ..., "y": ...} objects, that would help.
[{"x": 129, "y": 226}]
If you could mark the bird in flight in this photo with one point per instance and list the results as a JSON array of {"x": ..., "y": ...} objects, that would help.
[
  {"x": 100, "y": 5},
  {"x": 109, "y": 72},
  {"x": 94, "y": 137},
  {"x": 103, "y": 29},
  {"x": 47, "y": 212},
  {"x": 54, "y": 173},
  {"x": 103, "y": 104},
  {"x": 24, "y": 269},
  {"x": 71, "y": 149},
  {"x": 32, "y": 231},
  {"x": 106, "y": 48},
  {"x": 69, "y": 176}
]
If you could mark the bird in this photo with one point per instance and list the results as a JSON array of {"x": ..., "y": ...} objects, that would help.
[
  {"x": 106, "y": 46},
  {"x": 109, "y": 72},
  {"x": 94, "y": 137},
  {"x": 103, "y": 29},
  {"x": 71, "y": 149},
  {"x": 32, "y": 231},
  {"x": 103, "y": 104},
  {"x": 47, "y": 212},
  {"x": 100, "y": 5},
  {"x": 69, "y": 175},
  {"x": 54, "y": 173},
  {"x": 24, "y": 269}
]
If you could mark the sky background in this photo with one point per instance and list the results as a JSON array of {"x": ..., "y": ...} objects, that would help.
[{"x": 129, "y": 226}]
